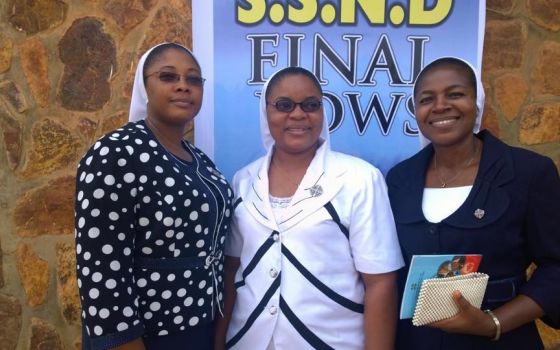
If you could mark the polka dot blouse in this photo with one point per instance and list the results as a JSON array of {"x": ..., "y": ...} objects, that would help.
[{"x": 150, "y": 231}]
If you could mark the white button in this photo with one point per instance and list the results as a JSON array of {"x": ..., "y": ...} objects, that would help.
[
  {"x": 273, "y": 273},
  {"x": 273, "y": 310},
  {"x": 276, "y": 237}
]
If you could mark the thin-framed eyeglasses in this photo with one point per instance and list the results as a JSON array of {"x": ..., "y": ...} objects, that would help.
[
  {"x": 172, "y": 78},
  {"x": 286, "y": 105}
]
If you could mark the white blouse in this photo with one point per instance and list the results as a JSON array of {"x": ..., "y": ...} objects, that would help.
[
  {"x": 439, "y": 203},
  {"x": 279, "y": 207}
]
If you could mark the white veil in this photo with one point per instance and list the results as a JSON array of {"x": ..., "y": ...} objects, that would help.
[{"x": 139, "y": 98}]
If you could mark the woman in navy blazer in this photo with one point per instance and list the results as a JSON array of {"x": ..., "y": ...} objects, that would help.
[{"x": 467, "y": 193}]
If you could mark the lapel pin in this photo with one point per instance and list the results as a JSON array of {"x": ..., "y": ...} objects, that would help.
[
  {"x": 479, "y": 213},
  {"x": 316, "y": 190}
]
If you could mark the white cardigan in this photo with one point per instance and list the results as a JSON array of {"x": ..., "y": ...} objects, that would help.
[{"x": 299, "y": 280}]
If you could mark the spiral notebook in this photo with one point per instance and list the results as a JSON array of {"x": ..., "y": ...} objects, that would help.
[{"x": 423, "y": 267}]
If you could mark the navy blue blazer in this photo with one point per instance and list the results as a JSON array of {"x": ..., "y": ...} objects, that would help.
[{"x": 519, "y": 193}]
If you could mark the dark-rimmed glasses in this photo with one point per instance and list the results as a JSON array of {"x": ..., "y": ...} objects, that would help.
[
  {"x": 286, "y": 105},
  {"x": 172, "y": 77}
]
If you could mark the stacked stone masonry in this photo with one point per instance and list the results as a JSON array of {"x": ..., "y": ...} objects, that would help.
[{"x": 55, "y": 100}]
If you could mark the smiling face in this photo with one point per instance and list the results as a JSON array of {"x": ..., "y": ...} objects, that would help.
[
  {"x": 173, "y": 102},
  {"x": 445, "y": 104},
  {"x": 296, "y": 131}
]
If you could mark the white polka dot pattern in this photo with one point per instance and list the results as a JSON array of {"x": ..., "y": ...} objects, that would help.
[{"x": 145, "y": 224}]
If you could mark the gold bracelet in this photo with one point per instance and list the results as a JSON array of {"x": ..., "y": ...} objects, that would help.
[{"x": 497, "y": 323}]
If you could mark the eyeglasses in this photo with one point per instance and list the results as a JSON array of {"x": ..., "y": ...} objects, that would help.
[
  {"x": 172, "y": 77},
  {"x": 286, "y": 105}
]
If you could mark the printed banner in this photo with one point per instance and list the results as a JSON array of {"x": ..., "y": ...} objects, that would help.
[{"x": 366, "y": 54}]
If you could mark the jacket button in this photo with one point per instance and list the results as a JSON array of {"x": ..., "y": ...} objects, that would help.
[
  {"x": 432, "y": 229},
  {"x": 273, "y": 273},
  {"x": 273, "y": 310}
]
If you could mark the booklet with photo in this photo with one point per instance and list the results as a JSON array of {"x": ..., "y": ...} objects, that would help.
[{"x": 433, "y": 266}]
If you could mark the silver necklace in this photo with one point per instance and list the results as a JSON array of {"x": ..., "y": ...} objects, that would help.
[{"x": 444, "y": 182}]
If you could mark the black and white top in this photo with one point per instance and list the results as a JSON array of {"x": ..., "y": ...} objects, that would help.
[
  {"x": 299, "y": 285},
  {"x": 150, "y": 232}
]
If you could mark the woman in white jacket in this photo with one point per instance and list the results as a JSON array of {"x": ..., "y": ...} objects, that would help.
[{"x": 312, "y": 252}]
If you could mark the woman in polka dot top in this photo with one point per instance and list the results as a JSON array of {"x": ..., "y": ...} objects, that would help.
[{"x": 151, "y": 215}]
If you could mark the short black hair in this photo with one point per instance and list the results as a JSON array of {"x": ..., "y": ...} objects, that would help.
[
  {"x": 443, "y": 62},
  {"x": 290, "y": 71},
  {"x": 159, "y": 50}
]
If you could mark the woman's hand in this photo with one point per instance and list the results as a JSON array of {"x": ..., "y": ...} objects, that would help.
[
  {"x": 231, "y": 265},
  {"x": 469, "y": 320}
]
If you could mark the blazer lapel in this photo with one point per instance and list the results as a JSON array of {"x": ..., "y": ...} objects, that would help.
[
  {"x": 488, "y": 201},
  {"x": 256, "y": 198},
  {"x": 410, "y": 188},
  {"x": 322, "y": 181}
]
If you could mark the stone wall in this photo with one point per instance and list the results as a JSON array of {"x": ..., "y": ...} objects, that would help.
[{"x": 66, "y": 71}]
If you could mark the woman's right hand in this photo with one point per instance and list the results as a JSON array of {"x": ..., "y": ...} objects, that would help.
[
  {"x": 469, "y": 320},
  {"x": 231, "y": 265}
]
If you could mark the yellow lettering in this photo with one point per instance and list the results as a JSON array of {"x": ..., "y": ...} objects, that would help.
[
  {"x": 420, "y": 16},
  {"x": 305, "y": 14},
  {"x": 374, "y": 10},
  {"x": 254, "y": 14}
]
